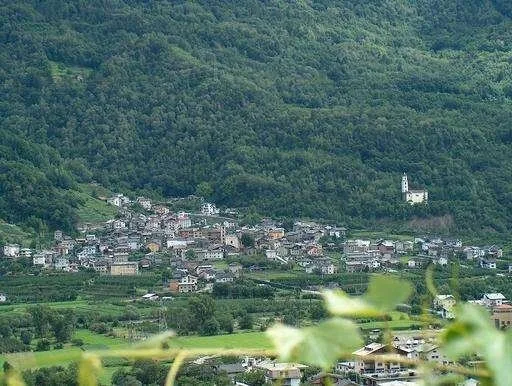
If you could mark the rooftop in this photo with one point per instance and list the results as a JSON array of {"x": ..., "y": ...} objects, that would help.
[
  {"x": 495, "y": 296},
  {"x": 369, "y": 349},
  {"x": 280, "y": 366}
]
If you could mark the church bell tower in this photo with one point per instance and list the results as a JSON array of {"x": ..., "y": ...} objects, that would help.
[{"x": 405, "y": 184}]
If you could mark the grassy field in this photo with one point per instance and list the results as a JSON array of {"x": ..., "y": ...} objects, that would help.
[
  {"x": 63, "y": 356},
  {"x": 15, "y": 308},
  {"x": 11, "y": 233},
  {"x": 256, "y": 340},
  {"x": 92, "y": 341},
  {"x": 392, "y": 324},
  {"x": 94, "y": 210},
  {"x": 62, "y": 72},
  {"x": 400, "y": 321},
  {"x": 77, "y": 305}
]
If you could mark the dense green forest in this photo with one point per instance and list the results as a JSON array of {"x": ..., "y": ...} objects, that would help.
[{"x": 309, "y": 108}]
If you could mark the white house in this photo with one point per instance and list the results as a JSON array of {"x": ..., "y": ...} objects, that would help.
[
  {"x": 441, "y": 260},
  {"x": 144, "y": 202},
  {"x": 11, "y": 250},
  {"x": 116, "y": 200},
  {"x": 26, "y": 252},
  {"x": 150, "y": 296},
  {"x": 412, "y": 196},
  {"x": 232, "y": 240},
  {"x": 90, "y": 249},
  {"x": 282, "y": 373},
  {"x": 445, "y": 304},
  {"x": 493, "y": 299},
  {"x": 119, "y": 224},
  {"x": 90, "y": 237},
  {"x": 209, "y": 209},
  {"x": 183, "y": 220},
  {"x": 473, "y": 253},
  {"x": 61, "y": 264},
  {"x": 488, "y": 262},
  {"x": 39, "y": 259},
  {"x": 214, "y": 255},
  {"x": 224, "y": 277}
]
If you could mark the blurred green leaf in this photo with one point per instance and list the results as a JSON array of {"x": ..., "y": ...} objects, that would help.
[
  {"x": 473, "y": 332},
  {"x": 339, "y": 303},
  {"x": 156, "y": 341},
  {"x": 386, "y": 292},
  {"x": 320, "y": 345},
  {"x": 13, "y": 378},
  {"x": 88, "y": 370},
  {"x": 383, "y": 295}
]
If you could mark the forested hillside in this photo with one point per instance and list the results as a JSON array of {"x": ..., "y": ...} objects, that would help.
[{"x": 296, "y": 108}]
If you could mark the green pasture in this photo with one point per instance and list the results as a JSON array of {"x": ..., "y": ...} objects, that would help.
[
  {"x": 76, "y": 305},
  {"x": 64, "y": 356},
  {"x": 93, "y": 210},
  {"x": 252, "y": 340}
]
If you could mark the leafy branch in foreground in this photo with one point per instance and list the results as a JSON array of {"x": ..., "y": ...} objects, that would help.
[{"x": 337, "y": 337}]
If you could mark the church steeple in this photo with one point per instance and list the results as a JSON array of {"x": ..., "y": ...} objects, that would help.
[{"x": 405, "y": 184}]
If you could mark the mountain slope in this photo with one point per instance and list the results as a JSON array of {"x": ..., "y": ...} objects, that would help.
[{"x": 310, "y": 108}]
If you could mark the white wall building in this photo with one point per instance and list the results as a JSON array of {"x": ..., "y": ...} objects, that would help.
[
  {"x": 493, "y": 299},
  {"x": 11, "y": 250},
  {"x": 144, "y": 202},
  {"x": 412, "y": 196},
  {"x": 209, "y": 209},
  {"x": 184, "y": 220}
]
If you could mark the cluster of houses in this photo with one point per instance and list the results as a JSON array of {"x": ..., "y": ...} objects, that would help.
[
  {"x": 497, "y": 304},
  {"x": 368, "y": 255},
  {"x": 274, "y": 372},
  {"x": 136, "y": 240},
  {"x": 365, "y": 367},
  {"x": 302, "y": 246},
  {"x": 371, "y": 370},
  {"x": 194, "y": 277},
  {"x": 109, "y": 247}
]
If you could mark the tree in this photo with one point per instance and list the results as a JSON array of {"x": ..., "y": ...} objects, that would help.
[
  {"x": 5, "y": 329},
  {"x": 204, "y": 189},
  {"x": 210, "y": 327},
  {"x": 6, "y": 366},
  {"x": 41, "y": 317},
  {"x": 43, "y": 345},
  {"x": 225, "y": 322},
  {"x": 63, "y": 326},
  {"x": 148, "y": 372},
  {"x": 246, "y": 321},
  {"x": 26, "y": 337},
  {"x": 252, "y": 378},
  {"x": 190, "y": 254},
  {"x": 202, "y": 308},
  {"x": 317, "y": 311},
  {"x": 247, "y": 240},
  {"x": 181, "y": 320}
]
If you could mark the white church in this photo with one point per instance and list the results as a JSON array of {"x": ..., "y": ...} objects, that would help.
[{"x": 412, "y": 196}]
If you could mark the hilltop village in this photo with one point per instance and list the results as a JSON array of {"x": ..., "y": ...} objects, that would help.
[
  {"x": 135, "y": 241},
  {"x": 145, "y": 235}
]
